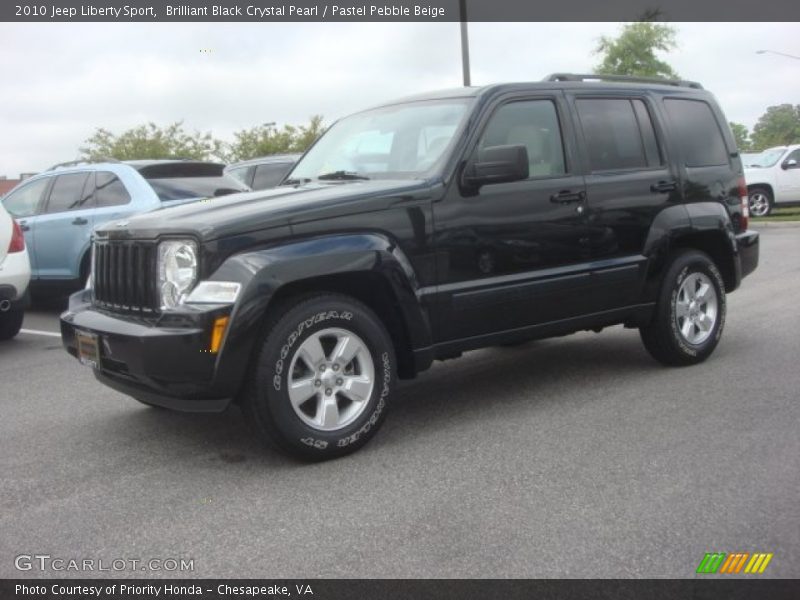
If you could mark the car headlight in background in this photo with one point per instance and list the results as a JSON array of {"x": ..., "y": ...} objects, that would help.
[{"x": 177, "y": 271}]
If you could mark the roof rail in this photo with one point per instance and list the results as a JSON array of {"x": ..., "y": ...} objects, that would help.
[
  {"x": 622, "y": 79},
  {"x": 83, "y": 161}
]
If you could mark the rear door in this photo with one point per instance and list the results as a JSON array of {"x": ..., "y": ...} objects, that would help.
[
  {"x": 628, "y": 181},
  {"x": 64, "y": 227},
  {"x": 23, "y": 204}
]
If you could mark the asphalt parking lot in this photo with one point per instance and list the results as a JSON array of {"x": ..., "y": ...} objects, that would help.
[{"x": 573, "y": 457}]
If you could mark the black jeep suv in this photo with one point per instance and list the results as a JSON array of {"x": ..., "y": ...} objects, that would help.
[{"x": 418, "y": 230}]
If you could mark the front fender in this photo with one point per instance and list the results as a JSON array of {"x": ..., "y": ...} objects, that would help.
[{"x": 266, "y": 271}]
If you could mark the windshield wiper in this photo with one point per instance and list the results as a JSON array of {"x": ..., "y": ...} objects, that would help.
[{"x": 349, "y": 175}]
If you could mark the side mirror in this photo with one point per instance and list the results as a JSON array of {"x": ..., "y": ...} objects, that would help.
[
  {"x": 497, "y": 164},
  {"x": 789, "y": 164}
]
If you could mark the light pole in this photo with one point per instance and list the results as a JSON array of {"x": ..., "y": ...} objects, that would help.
[
  {"x": 778, "y": 53},
  {"x": 464, "y": 43}
]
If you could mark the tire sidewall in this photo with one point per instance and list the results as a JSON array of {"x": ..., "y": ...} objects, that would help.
[
  {"x": 767, "y": 195},
  {"x": 683, "y": 267},
  {"x": 271, "y": 396}
]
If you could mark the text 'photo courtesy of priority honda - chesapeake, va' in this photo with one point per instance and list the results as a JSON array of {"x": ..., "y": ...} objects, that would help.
[{"x": 435, "y": 300}]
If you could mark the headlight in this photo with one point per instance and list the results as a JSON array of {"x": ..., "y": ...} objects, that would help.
[{"x": 177, "y": 270}]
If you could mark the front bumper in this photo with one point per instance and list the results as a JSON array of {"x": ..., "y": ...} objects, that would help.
[
  {"x": 747, "y": 244},
  {"x": 161, "y": 360}
]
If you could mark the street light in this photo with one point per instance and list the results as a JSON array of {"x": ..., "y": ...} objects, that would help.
[{"x": 778, "y": 53}]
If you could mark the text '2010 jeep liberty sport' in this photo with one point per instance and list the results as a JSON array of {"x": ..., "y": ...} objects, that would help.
[{"x": 415, "y": 231}]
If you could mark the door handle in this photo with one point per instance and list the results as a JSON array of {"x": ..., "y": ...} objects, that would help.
[
  {"x": 662, "y": 187},
  {"x": 79, "y": 221},
  {"x": 23, "y": 226},
  {"x": 567, "y": 196}
]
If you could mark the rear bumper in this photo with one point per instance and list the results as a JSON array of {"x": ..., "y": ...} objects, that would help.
[
  {"x": 164, "y": 362},
  {"x": 747, "y": 244},
  {"x": 15, "y": 275}
]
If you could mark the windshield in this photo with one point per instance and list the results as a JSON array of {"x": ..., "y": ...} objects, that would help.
[
  {"x": 400, "y": 141},
  {"x": 767, "y": 158}
]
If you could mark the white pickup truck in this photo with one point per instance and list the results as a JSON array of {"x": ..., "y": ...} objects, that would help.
[{"x": 773, "y": 179}]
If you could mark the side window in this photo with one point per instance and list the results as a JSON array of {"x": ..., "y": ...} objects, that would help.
[
  {"x": 110, "y": 191},
  {"x": 534, "y": 124},
  {"x": 23, "y": 201},
  {"x": 268, "y": 176},
  {"x": 697, "y": 132},
  {"x": 617, "y": 134},
  {"x": 66, "y": 193},
  {"x": 240, "y": 173},
  {"x": 651, "y": 149},
  {"x": 795, "y": 156}
]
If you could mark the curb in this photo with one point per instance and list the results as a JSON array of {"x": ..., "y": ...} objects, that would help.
[{"x": 768, "y": 224}]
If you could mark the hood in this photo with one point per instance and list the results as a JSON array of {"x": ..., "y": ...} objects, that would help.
[{"x": 234, "y": 214}]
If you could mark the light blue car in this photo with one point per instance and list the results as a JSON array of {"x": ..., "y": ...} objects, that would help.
[{"x": 58, "y": 209}]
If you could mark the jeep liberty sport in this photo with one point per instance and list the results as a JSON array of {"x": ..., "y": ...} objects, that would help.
[{"x": 416, "y": 231}]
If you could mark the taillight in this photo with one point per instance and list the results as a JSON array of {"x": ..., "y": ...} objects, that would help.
[
  {"x": 17, "y": 239},
  {"x": 745, "y": 203}
]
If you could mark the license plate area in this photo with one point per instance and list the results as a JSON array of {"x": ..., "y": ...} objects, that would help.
[{"x": 88, "y": 348}]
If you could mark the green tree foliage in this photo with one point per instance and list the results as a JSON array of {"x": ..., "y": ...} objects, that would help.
[
  {"x": 151, "y": 141},
  {"x": 633, "y": 51},
  {"x": 779, "y": 126},
  {"x": 267, "y": 139},
  {"x": 742, "y": 137}
]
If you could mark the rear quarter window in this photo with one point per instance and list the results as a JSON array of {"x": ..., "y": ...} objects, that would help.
[{"x": 697, "y": 132}]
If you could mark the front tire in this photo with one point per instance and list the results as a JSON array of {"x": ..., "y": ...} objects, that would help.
[
  {"x": 690, "y": 311},
  {"x": 10, "y": 323},
  {"x": 320, "y": 384},
  {"x": 760, "y": 201}
]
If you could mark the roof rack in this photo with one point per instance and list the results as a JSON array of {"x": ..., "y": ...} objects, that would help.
[
  {"x": 85, "y": 161},
  {"x": 622, "y": 79}
]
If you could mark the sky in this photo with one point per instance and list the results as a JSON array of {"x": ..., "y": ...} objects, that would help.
[{"x": 61, "y": 81}]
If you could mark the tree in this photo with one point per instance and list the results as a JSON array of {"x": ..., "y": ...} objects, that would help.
[
  {"x": 152, "y": 141},
  {"x": 633, "y": 52},
  {"x": 267, "y": 139},
  {"x": 779, "y": 126},
  {"x": 742, "y": 137}
]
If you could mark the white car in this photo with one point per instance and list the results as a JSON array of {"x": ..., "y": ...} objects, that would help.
[
  {"x": 15, "y": 275},
  {"x": 773, "y": 179}
]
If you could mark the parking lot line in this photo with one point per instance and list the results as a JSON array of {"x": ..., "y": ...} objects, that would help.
[{"x": 38, "y": 332}]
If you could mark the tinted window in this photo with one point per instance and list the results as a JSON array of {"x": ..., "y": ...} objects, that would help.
[
  {"x": 240, "y": 173},
  {"x": 651, "y": 150},
  {"x": 268, "y": 176},
  {"x": 697, "y": 132},
  {"x": 794, "y": 156},
  {"x": 185, "y": 188},
  {"x": 110, "y": 190},
  {"x": 534, "y": 124},
  {"x": 613, "y": 138},
  {"x": 67, "y": 192},
  {"x": 23, "y": 201}
]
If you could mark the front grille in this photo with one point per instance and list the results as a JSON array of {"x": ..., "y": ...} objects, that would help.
[{"x": 124, "y": 276}]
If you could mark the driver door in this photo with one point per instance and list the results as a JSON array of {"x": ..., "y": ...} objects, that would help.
[{"x": 515, "y": 254}]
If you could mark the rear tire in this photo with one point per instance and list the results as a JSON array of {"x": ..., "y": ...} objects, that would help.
[
  {"x": 690, "y": 311},
  {"x": 320, "y": 383},
  {"x": 10, "y": 323},
  {"x": 760, "y": 200}
]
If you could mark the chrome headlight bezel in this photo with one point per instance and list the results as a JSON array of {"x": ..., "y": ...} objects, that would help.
[{"x": 177, "y": 271}]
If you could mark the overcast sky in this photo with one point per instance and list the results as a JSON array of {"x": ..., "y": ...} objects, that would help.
[{"x": 61, "y": 81}]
